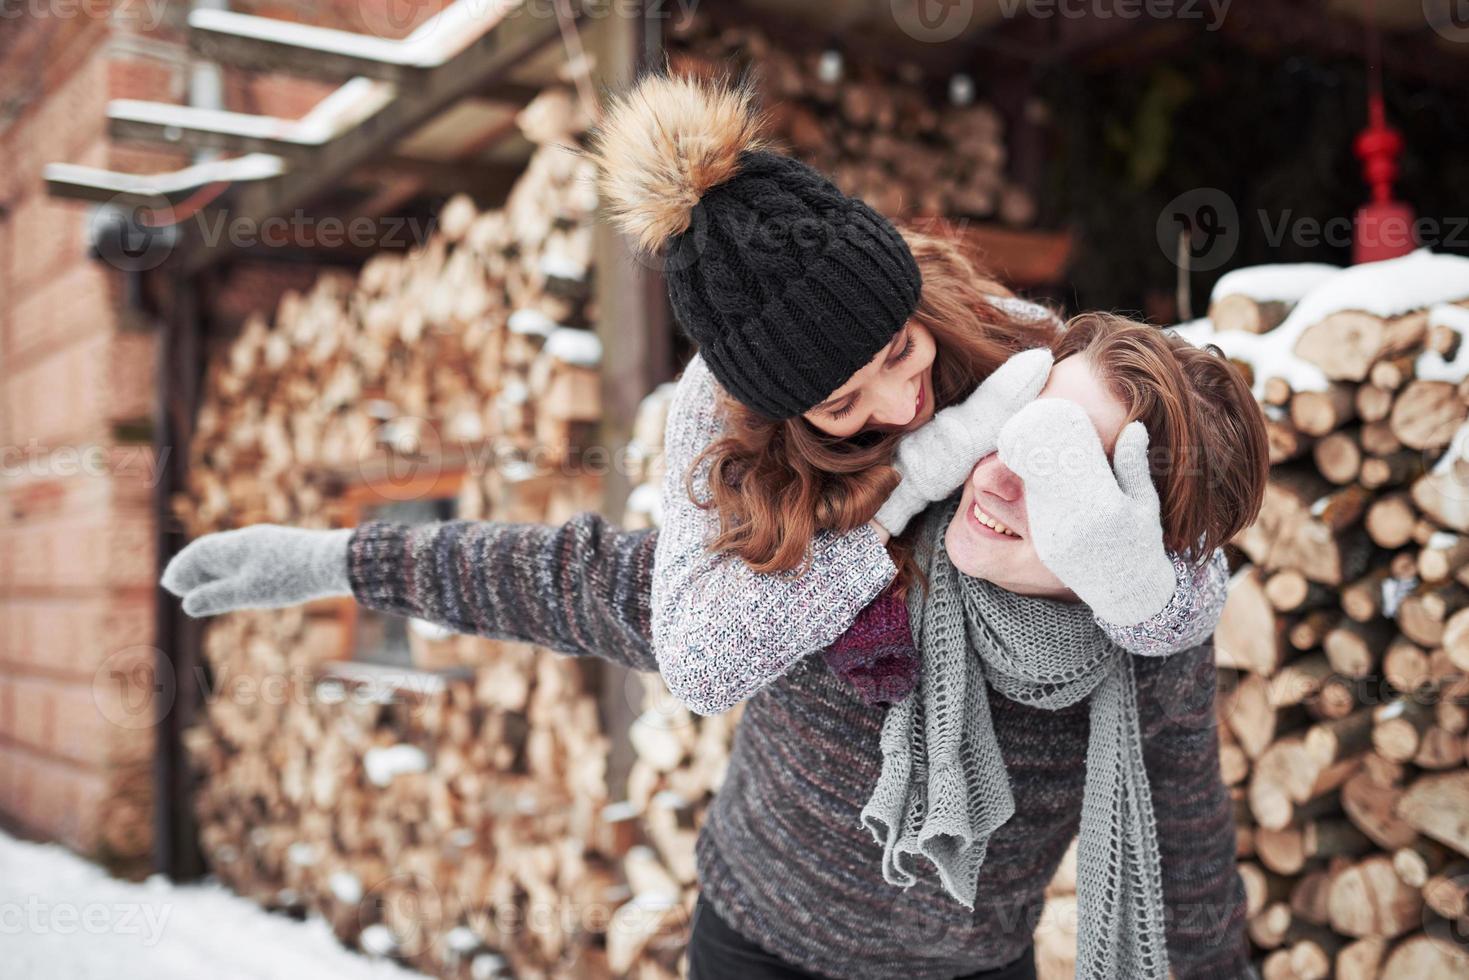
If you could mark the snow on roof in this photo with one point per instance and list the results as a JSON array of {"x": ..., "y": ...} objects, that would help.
[{"x": 1287, "y": 282}]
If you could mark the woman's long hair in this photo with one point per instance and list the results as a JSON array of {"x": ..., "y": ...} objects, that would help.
[{"x": 776, "y": 484}]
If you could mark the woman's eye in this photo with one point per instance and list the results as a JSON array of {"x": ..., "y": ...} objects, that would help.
[
  {"x": 842, "y": 413},
  {"x": 907, "y": 349}
]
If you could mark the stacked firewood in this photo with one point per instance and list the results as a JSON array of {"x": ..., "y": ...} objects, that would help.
[
  {"x": 448, "y": 818},
  {"x": 473, "y": 348},
  {"x": 881, "y": 132},
  {"x": 1344, "y": 645}
]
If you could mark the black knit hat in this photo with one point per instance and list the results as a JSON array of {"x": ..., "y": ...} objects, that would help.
[{"x": 787, "y": 285}]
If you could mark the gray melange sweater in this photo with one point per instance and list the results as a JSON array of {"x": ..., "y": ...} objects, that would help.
[{"x": 782, "y": 855}]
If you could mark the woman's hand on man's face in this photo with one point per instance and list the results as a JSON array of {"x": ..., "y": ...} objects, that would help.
[
  {"x": 1095, "y": 523},
  {"x": 935, "y": 460}
]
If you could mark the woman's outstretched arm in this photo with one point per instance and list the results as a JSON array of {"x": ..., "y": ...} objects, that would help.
[{"x": 578, "y": 588}]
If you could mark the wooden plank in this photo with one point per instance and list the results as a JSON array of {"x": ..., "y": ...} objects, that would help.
[
  {"x": 482, "y": 64},
  {"x": 267, "y": 44},
  {"x": 94, "y": 184},
  {"x": 238, "y": 132}
]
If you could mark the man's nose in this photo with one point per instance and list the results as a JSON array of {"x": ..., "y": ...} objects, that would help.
[{"x": 998, "y": 478}]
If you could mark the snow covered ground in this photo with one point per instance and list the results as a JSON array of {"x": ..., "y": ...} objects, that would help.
[{"x": 62, "y": 918}]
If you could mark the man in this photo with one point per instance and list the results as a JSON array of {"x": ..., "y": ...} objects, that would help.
[{"x": 1052, "y": 729}]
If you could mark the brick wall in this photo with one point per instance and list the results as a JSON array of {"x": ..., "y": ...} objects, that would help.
[
  {"x": 76, "y": 528},
  {"x": 77, "y": 562}
]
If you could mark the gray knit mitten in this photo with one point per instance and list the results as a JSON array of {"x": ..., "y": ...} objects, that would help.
[
  {"x": 935, "y": 459},
  {"x": 264, "y": 566},
  {"x": 1096, "y": 525}
]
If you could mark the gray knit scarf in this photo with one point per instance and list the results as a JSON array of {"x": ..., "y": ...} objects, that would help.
[{"x": 943, "y": 790}]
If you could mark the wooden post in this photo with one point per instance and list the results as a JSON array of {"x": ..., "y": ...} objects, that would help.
[
  {"x": 633, "y": 323},
  {"x": 179, "y": 637}
]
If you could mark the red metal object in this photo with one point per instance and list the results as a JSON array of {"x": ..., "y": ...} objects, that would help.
[{"x": 1384, "y": 226}]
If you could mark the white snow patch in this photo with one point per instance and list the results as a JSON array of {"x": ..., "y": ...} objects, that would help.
[
  {"x": 1394, "y": 591},
  {"x": 1265, "y": 283},
  {"x": 646, "y": 499},
  {"x": 1457, "y": 449},
  {"x": 531, "y": 321},
  {"x": 345, "y": 887},
  {"x": 579, "y": 347},
  {"x": 1442, "y": 540},
  {"x": 1389, "y": 288},
  {"x": 378, "y": 940},
  {"x": 513, "y": 392},
  {"x": 1430, "y": 364},
  {"x": 76, "y": 921},
  {"x": 1448, "y": 315},
  {"x": 1394, "y": 286},
  {"x": 428, "y": 630},
  {"x": 383, "y": 763},
  {"x": 1266, "y": 354}
]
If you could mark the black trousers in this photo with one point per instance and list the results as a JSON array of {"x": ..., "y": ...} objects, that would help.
[{"x": 717, "y": 952}]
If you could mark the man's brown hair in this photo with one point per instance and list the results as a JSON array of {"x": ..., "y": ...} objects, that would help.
[{"x": 1207, "y": 447}]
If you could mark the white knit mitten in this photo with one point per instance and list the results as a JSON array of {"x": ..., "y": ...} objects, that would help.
[
  {"x": 935, "y": 459},
  {"x": 264, "y": 566},
  {"x": 1096, "y": 525}
]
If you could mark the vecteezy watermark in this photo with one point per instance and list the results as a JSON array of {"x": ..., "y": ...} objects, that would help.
[
  {"x": 1202, "y": 228},
  {"x": 134, "y": 463},
  {"x": 1449, "y": 18},
  {"x": 136, "y": 235},
  {"x": 1341, "y": 231},
  {"x": 144, "y": 15},
  {"x": 397, "y": 19},
  {"x": 135, "y": 687},
  {"x": 300, "y": 230},
  {"x": 35, "y": 917},
  {"x": 934, "y": 21},
  {"x": 1212, "y": 12},
  {"x": 1199, "y": 228}
]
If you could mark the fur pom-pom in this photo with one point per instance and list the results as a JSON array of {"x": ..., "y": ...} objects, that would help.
[{"x": 663, "y": 144}]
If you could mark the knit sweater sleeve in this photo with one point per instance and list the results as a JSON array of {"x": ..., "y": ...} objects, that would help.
[
  {"x": 722, "y": 631},
  {"x": 1190, "y": 616},
  {"x": 578, "y": 588},
  {"x": 1202, "y": 891}
]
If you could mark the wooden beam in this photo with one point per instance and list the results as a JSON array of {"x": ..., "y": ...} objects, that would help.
[
  {"x": 94, "y": 184},
  {"x": 521, "y": 32},
  {"x": 238, "y": 132},
  {"x": 267, "y": 44}
]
